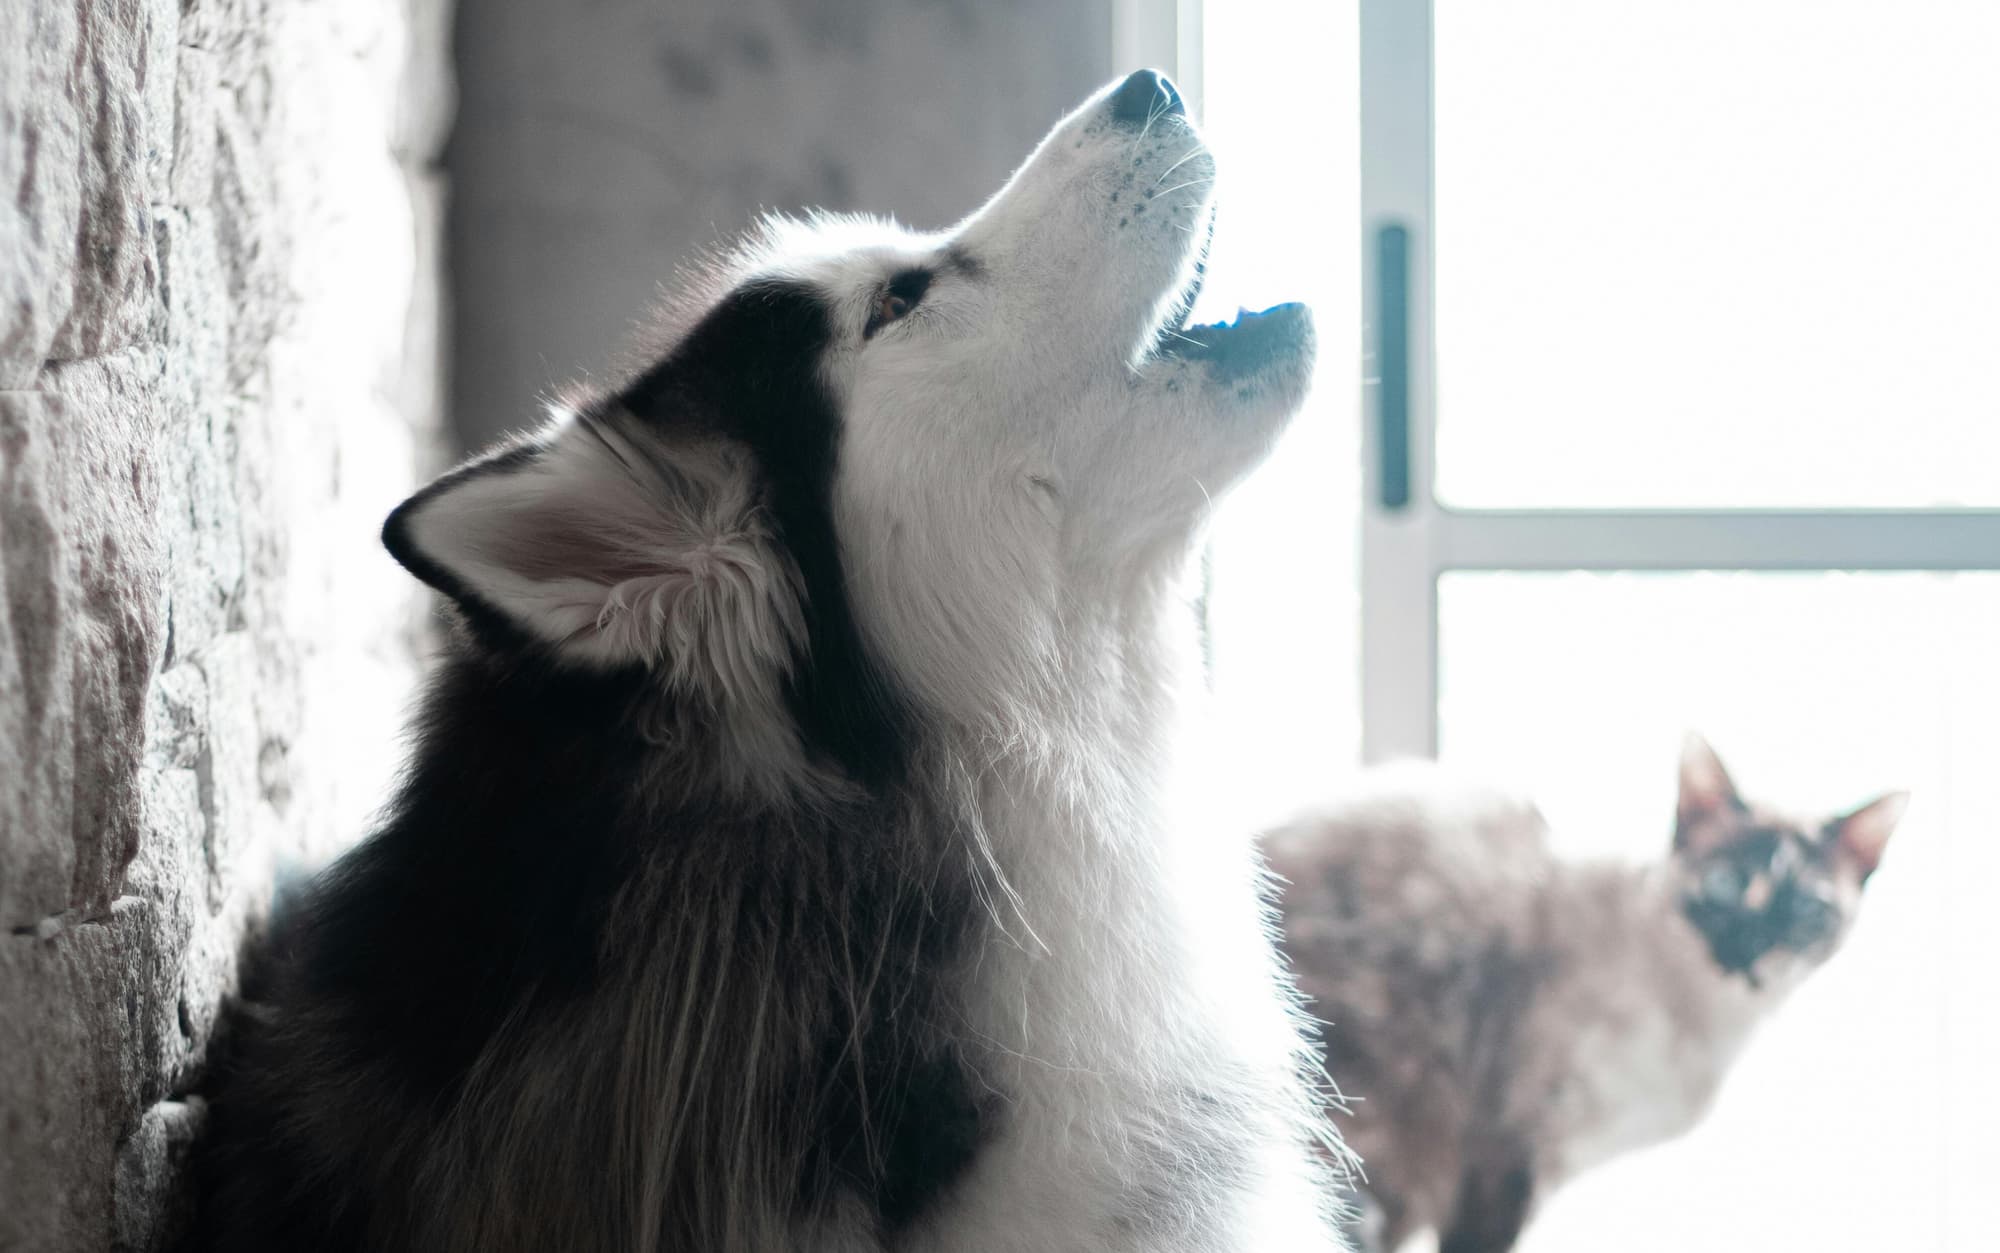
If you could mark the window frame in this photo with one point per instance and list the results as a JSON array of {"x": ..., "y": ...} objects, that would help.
[
  {"x": 1160, "y": 34},
  {"x": 1407, "y": 547}
]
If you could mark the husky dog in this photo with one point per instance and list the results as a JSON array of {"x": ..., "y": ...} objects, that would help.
[{"x": 791, "y": 856}]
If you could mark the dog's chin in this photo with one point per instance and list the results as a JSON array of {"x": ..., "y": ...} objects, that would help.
[
  {"x": 1253, "y": 370},
  {"x": 1250, "y": 374}
]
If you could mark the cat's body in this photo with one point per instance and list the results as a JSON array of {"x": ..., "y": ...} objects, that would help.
[{"x": 1502, "y": 1019}]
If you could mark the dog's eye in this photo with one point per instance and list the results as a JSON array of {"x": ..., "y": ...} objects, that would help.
[{"x": 894, "y": 301}]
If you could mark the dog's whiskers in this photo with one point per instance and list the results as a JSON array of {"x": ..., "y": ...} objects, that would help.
[
  {"x": 1208, "y": 501},
  {"x": 1187, "y": 156}
]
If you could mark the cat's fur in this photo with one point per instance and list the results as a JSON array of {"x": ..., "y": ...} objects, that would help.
[
  {"x": 792, "y": 856},
  {"x": 1504, "y": 1019}
]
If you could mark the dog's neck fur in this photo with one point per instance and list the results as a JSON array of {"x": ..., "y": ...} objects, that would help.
[{"x": 1110, "y": 994}]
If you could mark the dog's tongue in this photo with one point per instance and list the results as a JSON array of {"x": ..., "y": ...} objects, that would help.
[{"x": 1243, "y": 343}]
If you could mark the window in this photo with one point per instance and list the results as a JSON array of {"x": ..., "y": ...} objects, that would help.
[
  {"x": 1654, "y": 262},
  {"x": 1283, "y": 560},
  {"x": 1677, "y": 406}
]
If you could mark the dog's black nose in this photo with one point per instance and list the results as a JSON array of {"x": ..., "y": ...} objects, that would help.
[{"x": 1147, "y": 94}]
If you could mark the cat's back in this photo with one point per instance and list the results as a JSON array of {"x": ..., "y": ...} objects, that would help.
[
  {"x": 1414, "y": 842},
  {"x": 1411, "y": 913},
  {"x": 1407, "y": 898}
]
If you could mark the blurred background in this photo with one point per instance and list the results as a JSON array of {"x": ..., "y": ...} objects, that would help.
[
  {"x": 1688, "y": 314},
  {"x": 600, "y": 145}
]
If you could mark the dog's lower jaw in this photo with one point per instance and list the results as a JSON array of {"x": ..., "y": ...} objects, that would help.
[
  {"x": 1209, "y": 420},
  {"x": 1255, "y": 366}
]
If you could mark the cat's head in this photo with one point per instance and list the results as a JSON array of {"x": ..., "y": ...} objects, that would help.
[{"x": 1772, "y": 895}]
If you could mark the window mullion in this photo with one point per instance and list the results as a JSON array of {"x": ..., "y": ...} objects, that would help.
[
  {"x": 1715, "y": 540},
  {"x": 1398, "y": 540}
]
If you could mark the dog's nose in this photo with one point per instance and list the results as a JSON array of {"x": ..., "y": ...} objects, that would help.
[{"x": 1145, "y": 95}]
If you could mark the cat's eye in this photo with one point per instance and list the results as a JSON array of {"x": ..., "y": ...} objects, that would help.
[
  {"x": 1809, "y": 918},
  {"x": 1723, "y": 883},
  {"x": 897, "y": 297}
]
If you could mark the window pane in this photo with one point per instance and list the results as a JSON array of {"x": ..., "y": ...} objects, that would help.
[
  {"x": 1283, "y": 609},
  {"x": 1718, "y": 253},
  {"x": 1859, "y": 1119}
]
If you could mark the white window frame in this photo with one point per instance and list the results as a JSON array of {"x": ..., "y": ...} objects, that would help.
[
  {"x": 1163, "y": 35},
  {"x": 1405, "y": 550}
]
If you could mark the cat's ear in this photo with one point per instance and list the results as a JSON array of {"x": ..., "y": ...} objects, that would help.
[
  {"x": 1706, "y": 794},
  {"x": 607, "y": 546},
  {"x": 1861, "y": 836}
]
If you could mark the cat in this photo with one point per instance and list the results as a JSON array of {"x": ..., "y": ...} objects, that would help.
[{"x": 1505, "y": 1020}]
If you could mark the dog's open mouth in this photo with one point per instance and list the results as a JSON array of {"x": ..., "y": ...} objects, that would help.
[
  {"x": 1241, "y": 345},
  {"x": 1235, "y": 347}
]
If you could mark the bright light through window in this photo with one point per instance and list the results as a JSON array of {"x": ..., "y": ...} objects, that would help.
[
  {"x": 1717, "y": 253},
  {"x": 1692, "y": 255},
  {"x": 1281, "y": 114}
]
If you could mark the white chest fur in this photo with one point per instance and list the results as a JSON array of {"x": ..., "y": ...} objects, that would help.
[{"x": 1132, "y": 1022}]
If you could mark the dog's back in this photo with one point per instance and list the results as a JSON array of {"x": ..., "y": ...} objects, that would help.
[{"x": 550, "y": 1006}]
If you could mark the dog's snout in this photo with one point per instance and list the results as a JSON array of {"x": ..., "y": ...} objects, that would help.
[{"x": 1144, "y": 96}]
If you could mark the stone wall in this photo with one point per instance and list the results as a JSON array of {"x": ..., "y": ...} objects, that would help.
[
  {"x": 601, "y": 145},
  {"x": 218, "y": 349}
]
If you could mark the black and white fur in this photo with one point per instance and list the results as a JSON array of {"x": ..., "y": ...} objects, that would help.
[{"x": 795, "y": 853}]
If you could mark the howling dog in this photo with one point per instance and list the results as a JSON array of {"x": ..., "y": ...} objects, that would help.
[{"x": 793, "y": 856}]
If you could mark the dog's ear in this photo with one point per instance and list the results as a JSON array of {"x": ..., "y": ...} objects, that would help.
[{"x": 604, "y": 543}]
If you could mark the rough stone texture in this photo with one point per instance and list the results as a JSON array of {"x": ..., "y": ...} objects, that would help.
[
  {"x": 219, "y": 233},
  {"x": 601, "y": 145}
]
